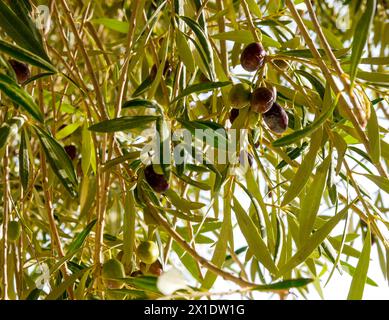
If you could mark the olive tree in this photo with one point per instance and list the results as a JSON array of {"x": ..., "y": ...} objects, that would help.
[{"x": 192, "y": 148}]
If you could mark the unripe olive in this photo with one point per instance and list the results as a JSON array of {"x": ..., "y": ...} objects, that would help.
[
  {"x": 252, "y": 57},
  {"x": 71, "y": 150},
  {"x": 240, "y": 95},
  {"x": 282, "y": 64},
  {"x": 262, "y": 100},
  {"x": 156, "y": 181},
  {"x": 147, "y": 252},
  {"x": 22, "y": 71},
  {"x": 233, "y": 114},
  {"x": 13, "y": 231},
  {"x": 276, "y": 118},
  {"x": 113, "y": 269}
]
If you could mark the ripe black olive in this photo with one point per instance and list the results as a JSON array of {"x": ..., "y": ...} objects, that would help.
[
  {"x": 252, "y": 57},
  {"x": 262, "y": 100},
  {"x": 234, "y": 114},
  {"x": 71, "y": 150},
  {"x": 167, "y": 70},
  {"x": 155, "y": 180},
  {"x": 21, "y": 70},
  {"x": 276, "y": 118}
]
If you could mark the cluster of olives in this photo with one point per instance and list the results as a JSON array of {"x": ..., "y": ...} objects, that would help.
[
  {"x": 261, "y": 100},
  {"x": 113, "y": 269}
]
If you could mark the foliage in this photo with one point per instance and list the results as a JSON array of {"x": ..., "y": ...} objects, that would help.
[{"x": 108, "y": 76}]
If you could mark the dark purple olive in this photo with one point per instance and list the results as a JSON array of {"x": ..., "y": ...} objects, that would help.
[
  {"x": 167, "y": 70},
  {"x": 246, "y": 158},
  {"x": 155, "y": 268},
  {"x": 155, "y": 180},
  {"x": 276, "y": 118},
  {"x": 136, "y": 273},
  {"x": 252, "y": 57},
  {"x": 71, "y": 150},
  {"x": 234, "y": 114},
  {"x": 262, "y": 100},
  {"x": 21, "y": 70}
]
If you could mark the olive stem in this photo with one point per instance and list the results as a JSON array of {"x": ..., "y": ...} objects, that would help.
[
  {"x": 253, "y": 29},
  {"x": 204, "y": 262},
  {"x": 338, "y": 68},
  {"x": 95, "y": 83},
  {"x": 5, "y": 222},
  {"x": 345, "y": 102},
  {"x": 124, "y": 69},
  {"x": 223, "y": 47},
  {"x": 48, "y": 201}
]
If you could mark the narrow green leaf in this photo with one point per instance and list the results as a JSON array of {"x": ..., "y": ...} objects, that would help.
[
  {"x": 306, "y": 53},
  {"x": 129, "y": 223},
  {"x": 5, "y": 131},
  {"x": 314, "y": 81},
  {"x": 254, "y": 8},
  {"x": 311, "y": 200},
  {"x": 123, "y": 123},
  {"x": 373, "y": 133},
  {"x": 305, "y": 169},
  {"x": 67, "y": 131},
  {"x": 59, "y": 161},
  {"x": 9, "y": 129},
  {"x": 20, "y": 97},
  {"x": 314, "y": 242},
  {"x": 181, "y": 203},
  {"x": 253, "y": 238},
  {"x": 351, "y": 271},
  {"x": 245, "y": 36},
  {"x": 201, "y": 87},
  {"x": 113, "y": 24},
  {"x": 360, "y": 36},
  {"x": 79, "y": 240},
  {"x": 148, "y": 283},
  {"x": 381, "y": 182},
  {"x": 24, "y": 55},
  {"x": 360, "y": 276},
  {"x": 219, "y": 254},
  {"x": 308, "y": 130},
  {"x": 59, "y": 290},
  {"x": 374, "y": 77},
  {"x": 184, "y": 52},
  {"x": 20, "y": 32},
  {"x": 203, "y": 43},
  {"x": 284, "y": 285},
  {"x": 213, "y": 134},
  {"x": 24, "y": 163},
  {"x": 138, "y": 102}
]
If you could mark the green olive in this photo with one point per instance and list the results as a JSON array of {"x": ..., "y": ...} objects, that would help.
[
  {"x": 147, "y": 252},
  {"x": 113, "y": 269},
  {"x": 240, "y": 95}
]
